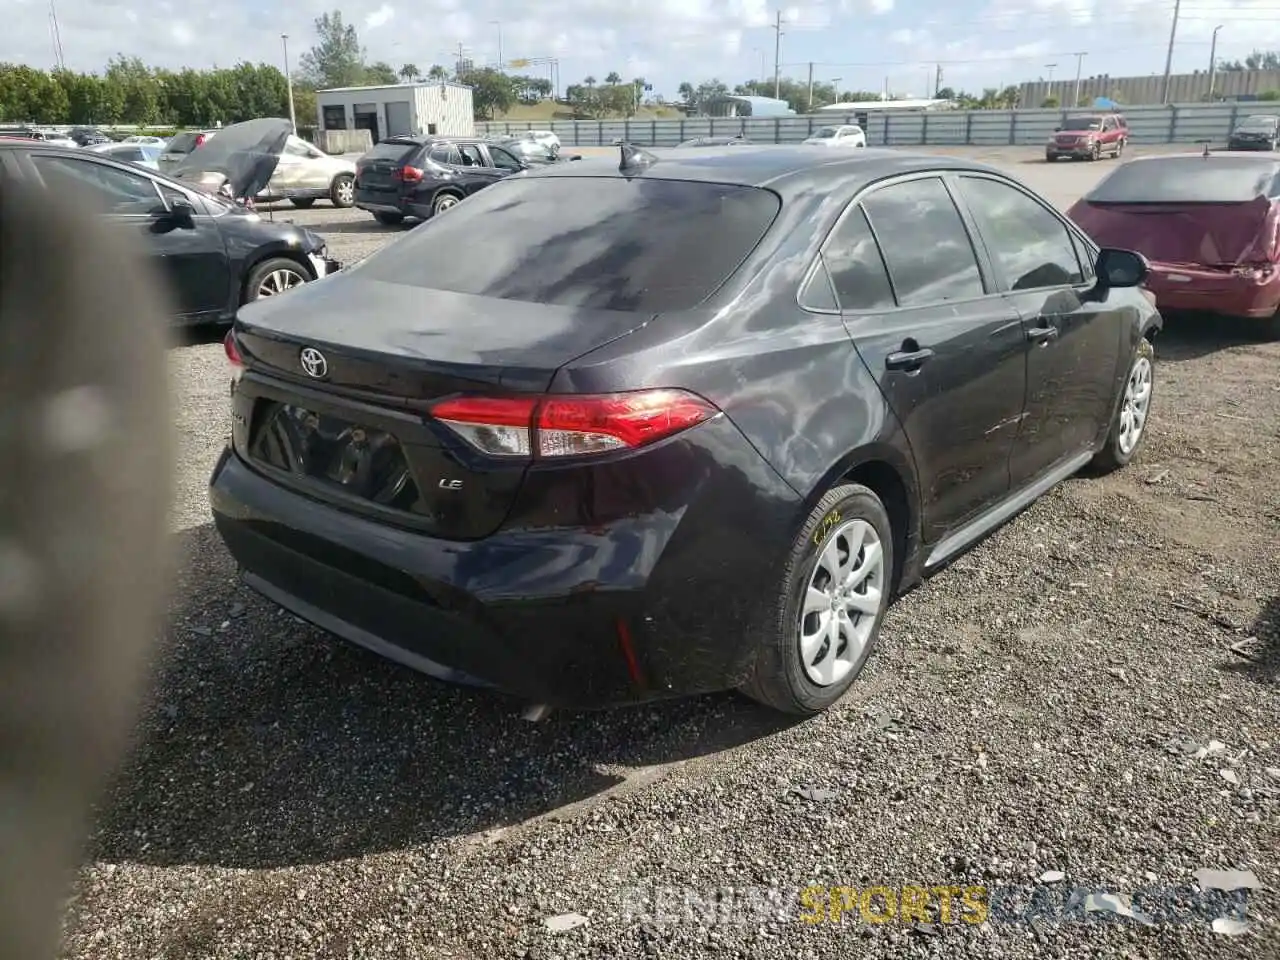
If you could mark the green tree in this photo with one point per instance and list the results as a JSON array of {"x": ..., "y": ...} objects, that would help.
[
  {"x": 613, "y": 78},
  {"x": 409, "y": 72},
  {"x": 492, "y": 92},
  {"x": 380, "y": 74},
  {"x": 337, "y": 59},
  {"x": 437, "y": 72},
  {"x": 1049, "y": 103}
]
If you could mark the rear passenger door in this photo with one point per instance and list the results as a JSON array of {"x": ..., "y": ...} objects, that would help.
[
  {"x": 1073, "y": 341},
  {"x": 947, "y": 352}
]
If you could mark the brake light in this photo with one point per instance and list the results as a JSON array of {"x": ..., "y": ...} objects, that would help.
[
  {"x": 408, "y": 174},
  {"x": 571, "y": 426},
  {"x": 232, "y": 350}
]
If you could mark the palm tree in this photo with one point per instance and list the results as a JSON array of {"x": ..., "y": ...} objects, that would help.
[
  {"x": 437, "y": 72},
  {"x": 613, "y": 79},
  {"x": 409, "y": 72}
]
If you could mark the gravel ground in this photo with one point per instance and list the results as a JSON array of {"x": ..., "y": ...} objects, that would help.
[{"x": 1049, "y": 703}]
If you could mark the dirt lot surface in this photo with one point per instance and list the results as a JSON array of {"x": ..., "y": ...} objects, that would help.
[{"x": 1092, "y": 691}]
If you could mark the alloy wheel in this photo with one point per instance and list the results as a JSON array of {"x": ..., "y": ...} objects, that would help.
[
  {"x": 346, "y": 191},
  {"x": 841, "y": 602},
  {"x": 1135, "y": 406},
  {"x": 447, "y": 202},
  {"x": 278, "y": 281}
]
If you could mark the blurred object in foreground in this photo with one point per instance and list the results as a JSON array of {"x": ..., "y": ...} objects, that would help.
[{"x": 85, "y": 484}]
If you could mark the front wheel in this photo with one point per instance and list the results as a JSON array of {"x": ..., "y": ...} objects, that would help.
[
  {"x": 342, "y": 192},
  {"x": 1096, "y": 152},
  {"x": 1129, "y": 426},
  {"x": 1119, "y": 149},
  {"x": 274, "y": 277},
  {"x": 835, "y": 590}
]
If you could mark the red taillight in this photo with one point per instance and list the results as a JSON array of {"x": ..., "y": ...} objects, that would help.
[
  {"x": 408, "y": 174},
  {"x": 571, "y": 426},
  {"x": 232, "y": 349}
]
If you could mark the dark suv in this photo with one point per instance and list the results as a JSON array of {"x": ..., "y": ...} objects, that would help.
[
  {"x": 422, "y": 176},
  {"x": 1088, "y": 137}
]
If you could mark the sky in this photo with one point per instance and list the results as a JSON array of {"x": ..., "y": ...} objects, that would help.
[{"x": 859, "y": 43}]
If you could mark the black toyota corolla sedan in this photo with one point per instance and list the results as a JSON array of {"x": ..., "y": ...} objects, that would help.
[
  {"x": 679, "y": 422},
  {"x": 216, "y": 255}
]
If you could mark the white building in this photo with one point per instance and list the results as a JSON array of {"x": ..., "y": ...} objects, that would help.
[{"x": 401, "y": 109}]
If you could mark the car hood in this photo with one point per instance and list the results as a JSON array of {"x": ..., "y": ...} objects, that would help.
[
  {"x": 1214, "y": 234},
  {"x": 257, "y": 229},
  {"x": 244, "y": 156}
]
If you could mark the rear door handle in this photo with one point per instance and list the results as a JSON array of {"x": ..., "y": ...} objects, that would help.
[
  {"x": 908, "y": 360},
  {"x": 1042, "y": 334}
]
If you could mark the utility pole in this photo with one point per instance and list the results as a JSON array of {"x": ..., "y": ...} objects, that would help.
[
  {"x": 937, "y": 82},
  {"x": 1050, "y": 67},
  {"x": 1168, "y": 60},
  {"x": 1213, "y": 60},
  {"x": 501, "y": 62},
  {"x": 288, "y": 81},
  {"x": 810, "y": 86},
  {"x": 1079, "y": 65},
  {"x": 777, "y": 56},
  {"x": 57, "y": 37}
]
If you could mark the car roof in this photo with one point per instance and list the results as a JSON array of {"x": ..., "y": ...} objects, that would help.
[
  {"x": 1237, "y": 158},
  {"x": 784, "y": 168},
  {"x": 423, "y": 139}
]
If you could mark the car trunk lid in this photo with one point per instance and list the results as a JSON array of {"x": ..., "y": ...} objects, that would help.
[
  {"x": 1211, "y": 234},
  {"x": 352, "y": 427}
]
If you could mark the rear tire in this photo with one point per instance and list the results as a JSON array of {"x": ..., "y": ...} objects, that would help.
[
  {"x": 342, "y": 192},
  {"x": 389, "y": 219},
  {"x": 1121, "y": 445},
  {"x": 1119, "y": 149},
  {"x": 845, "y": 552},
  {"x": 303, "y": 203},
  {"x": 443, "y": 202}
]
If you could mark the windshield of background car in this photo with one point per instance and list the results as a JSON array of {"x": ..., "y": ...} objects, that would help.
[
  {"x": 1220, "y": 179},
  {"x": 1257, "y": 123},
  {"x": 602, "y": 243},
  {"x": 826, "y": 133},
  {"x": 1082, "y": 123}
]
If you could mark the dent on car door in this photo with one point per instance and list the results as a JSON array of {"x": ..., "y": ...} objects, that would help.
[
  {"x": 948, "y": 355},
  {"x": 1073, "y": 339}
]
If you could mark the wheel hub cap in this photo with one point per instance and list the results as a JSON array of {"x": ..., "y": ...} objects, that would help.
[
  {"x": 841, "y": 602},
  {"x": 1135, "y": 406}
]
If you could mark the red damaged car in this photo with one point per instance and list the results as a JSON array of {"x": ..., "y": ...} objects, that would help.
[{"x": 1207, "y": 223}]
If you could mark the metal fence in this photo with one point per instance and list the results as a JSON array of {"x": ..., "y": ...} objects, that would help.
[{"x": 1176, "y": 123}]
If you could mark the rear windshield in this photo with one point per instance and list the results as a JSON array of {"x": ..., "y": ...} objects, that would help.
[
  {"x": 1257, "y": 123},
  {"x": 826, "y": 133},
  {"x": 390, "y": 150},
  {"x": 1082, "y": 123},
  {"x": 1220, "y": 179},
  {"x": 182, "y": 143},
  {"x": 604, "y": 243}
]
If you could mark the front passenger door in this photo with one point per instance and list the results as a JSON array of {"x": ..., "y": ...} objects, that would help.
[
  {"x": 1073, "y": 342},
  {"x": 947, "y": 353}
]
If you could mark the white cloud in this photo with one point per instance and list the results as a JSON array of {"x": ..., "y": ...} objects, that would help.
[
  {"x": 180, "y": 33},
  {"x": 380, "y": 17}
]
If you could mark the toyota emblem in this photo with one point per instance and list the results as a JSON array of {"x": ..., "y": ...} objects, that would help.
[{"x": 313, "y": 363}]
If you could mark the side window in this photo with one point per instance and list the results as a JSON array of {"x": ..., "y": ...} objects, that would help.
[
  {"x": 818, "y": 294},
  {"x": 118, "y": 191},
  {"x": 1031, "y": 246},
  {"x": 503, "y": 160},
  {"x": 170, "y": 194},
  {"x": 925, "y": 244},
  {"x": 471, "y": 155},
  {"x": 857, "y": 270},
  {"x": 443, "y": 153}
]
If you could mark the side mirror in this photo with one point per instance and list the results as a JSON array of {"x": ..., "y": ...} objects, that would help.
[
  {"x": 1121, "y": 268},
  {"x": 1057, "y": 129}
]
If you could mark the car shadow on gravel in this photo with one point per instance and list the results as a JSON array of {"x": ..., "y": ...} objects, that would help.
[
  {"x": 362, "y": 226},
  {"x": 1189, "y": 336},
  {"x": 267, "y": 743}
]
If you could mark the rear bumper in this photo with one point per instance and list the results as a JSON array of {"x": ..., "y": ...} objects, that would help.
[
  {"x": 380, "y": 201},
  {"x": 1249, "y": 145},
  {"x": 1212, "y": 291},
  {"x": 667, "y": 602}
]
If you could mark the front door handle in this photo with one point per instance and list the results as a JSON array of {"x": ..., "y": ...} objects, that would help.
[
  {"x": 1042, "y": 335},
  {"x": 908, "y": 359}
]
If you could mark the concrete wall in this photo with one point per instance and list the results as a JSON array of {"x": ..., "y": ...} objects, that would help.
[
  {"x": 344, "y": 141},
  {"x": 1178, "y": 123},
  {"x": 448, "y": 106},
  {"x": 1133, "y": 91}
]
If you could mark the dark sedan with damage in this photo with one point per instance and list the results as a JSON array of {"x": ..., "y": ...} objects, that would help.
[
  {"x": 1255, "y": 133},
  {"x": 1207, "y": 223},
  {"x": 681, "y": 421}
]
